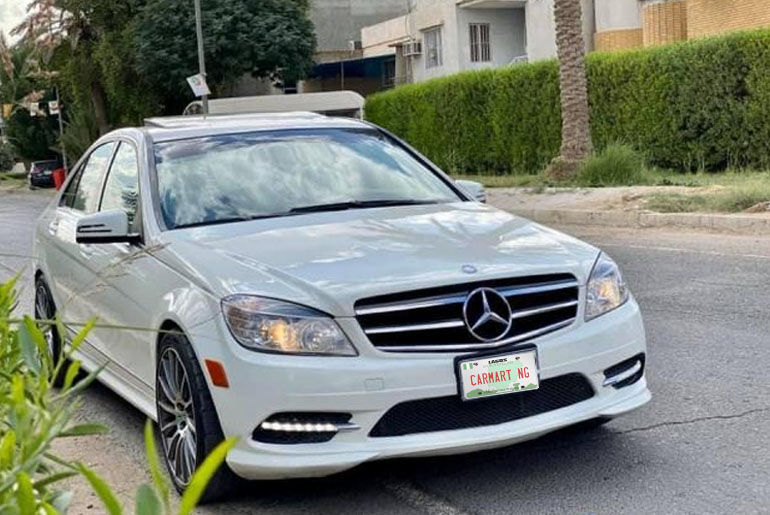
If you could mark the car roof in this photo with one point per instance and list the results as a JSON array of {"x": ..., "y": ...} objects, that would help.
[{"x": 184, "y": 127}]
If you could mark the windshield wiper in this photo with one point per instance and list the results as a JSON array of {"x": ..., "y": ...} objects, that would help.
[
  {"x": 336, "y": 206},
  {"x": 229, "y": 220},
  {"x": 359, "y": 204}
]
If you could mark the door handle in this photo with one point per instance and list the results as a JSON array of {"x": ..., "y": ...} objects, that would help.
[
  {"x": 86, "y": 250},
  {"x": 53, "y": 227}
]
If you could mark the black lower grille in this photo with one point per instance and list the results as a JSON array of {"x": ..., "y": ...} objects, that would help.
[{"x": 447, "y": 413}]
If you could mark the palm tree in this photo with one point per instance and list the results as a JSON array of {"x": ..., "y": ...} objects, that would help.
[
  {"x": 575, "y": 125},
  {"x": 17, "y": 67},
  {"x": 48, "y": 24}
]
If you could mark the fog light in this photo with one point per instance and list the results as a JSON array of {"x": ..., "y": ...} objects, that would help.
[
  {"x": 625, "y": 373},
  {"x": 295, "y": 428}
]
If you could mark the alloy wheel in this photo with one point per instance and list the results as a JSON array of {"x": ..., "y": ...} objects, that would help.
[
  {"x": 176, "y": 416},
  {"x": 44, "y": 311}
]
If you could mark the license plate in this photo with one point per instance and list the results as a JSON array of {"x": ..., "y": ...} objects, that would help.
[{"x": 487, "y": 376}]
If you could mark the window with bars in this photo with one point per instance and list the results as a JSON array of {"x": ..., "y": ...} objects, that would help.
[
  {"x": 432, "y": 44},
  {"x": 480, "y": 49}
]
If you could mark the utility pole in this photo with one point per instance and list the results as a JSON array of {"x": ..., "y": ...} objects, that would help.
[
  {"x": 201, "y": 60},
  {"x": 61, "y": 133}
]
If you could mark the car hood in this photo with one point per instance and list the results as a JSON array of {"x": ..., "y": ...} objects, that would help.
[{"x": 330, "y": 260}]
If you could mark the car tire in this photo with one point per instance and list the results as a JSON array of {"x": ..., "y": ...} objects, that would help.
[
  {"x": 45, "y": 309},
  {"x": 173, "y": 420}
]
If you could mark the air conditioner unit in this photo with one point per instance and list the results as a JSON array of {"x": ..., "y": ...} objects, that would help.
[
  {"x": 412, "y": 48},
  {"x": 355, "y": 44}
]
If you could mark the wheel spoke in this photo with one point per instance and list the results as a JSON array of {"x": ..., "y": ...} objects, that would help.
[
  {"x": 167, "y": 408},
  {"x": 167, "y": 364},
  {"x": 166, "y": 388}
]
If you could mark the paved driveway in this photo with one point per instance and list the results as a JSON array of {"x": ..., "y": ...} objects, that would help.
[{"x": 699, "y": 447}]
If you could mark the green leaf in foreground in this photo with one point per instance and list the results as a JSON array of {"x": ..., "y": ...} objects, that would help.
[
  {"x": 203, "y": 475},
  {"x": 102, "y": 490},
  {"x": 28, "y": 349},
  {"x": 25, "y": 495},
  {"x": 147, "y": 502},
  {"x": 85, "y": 430},
  {"x": 155, "y": 470}
]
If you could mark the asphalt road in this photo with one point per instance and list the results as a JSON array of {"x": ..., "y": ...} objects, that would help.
[{"x": 701, "y": 445}]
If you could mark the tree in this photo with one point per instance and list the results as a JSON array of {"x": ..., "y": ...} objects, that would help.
[
  {"x": 570, "y": 48},
  {"x": 261, "y": 38},
  {"x": 22, "y": 82},
  {"x": 80, "y": 25}
]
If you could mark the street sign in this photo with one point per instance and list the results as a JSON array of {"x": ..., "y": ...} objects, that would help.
[
  {"x": 53, "y": 107},
  {"x": 34, "y": 109},
  {"x": 198, "y": 84}
]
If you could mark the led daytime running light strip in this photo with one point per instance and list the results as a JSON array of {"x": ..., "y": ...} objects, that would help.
[{"x": 311, "y": 427}]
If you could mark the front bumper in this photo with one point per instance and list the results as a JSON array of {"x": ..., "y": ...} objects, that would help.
[{"x": 369, "y": 385}]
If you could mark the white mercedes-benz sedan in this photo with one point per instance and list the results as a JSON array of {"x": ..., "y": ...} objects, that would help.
[{"x": 318, "y": 289}]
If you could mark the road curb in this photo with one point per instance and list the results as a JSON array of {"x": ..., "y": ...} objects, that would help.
[{"x": 737, "y": 224}]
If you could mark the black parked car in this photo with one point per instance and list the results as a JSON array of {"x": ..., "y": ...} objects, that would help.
[{"x": 41, "y": 173}]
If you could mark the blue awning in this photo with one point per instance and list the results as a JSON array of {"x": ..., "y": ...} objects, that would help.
[{"x": 361, "y": 67}]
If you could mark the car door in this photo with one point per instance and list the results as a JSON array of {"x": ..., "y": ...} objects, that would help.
[
  {"x": 70, "y": 276},
  {"x": 124, "y": 334}
]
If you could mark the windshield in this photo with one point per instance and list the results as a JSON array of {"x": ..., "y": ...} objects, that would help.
[{"x": 226, "y": 178}]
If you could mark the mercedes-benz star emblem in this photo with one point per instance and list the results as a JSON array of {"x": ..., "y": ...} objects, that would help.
[{"x": 487, "y": 314}]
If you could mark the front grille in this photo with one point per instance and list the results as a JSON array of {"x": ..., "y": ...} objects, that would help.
[
  {"x": 432, "y": 319},
  {"x": 449, "y": 413}
]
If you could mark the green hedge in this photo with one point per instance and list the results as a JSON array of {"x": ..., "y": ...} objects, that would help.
[{"x": 694, "y": 105}]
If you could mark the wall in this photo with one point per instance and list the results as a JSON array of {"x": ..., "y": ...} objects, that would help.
[
  {"x": 541, "y": 31},
  {"x": 339, "y": 21},
  {"x": 432, "y": 14},
  {"x": 507, "y": 36},
  {"x": 710, "y": 17},
  {"x": 664, "y": 22},
  {"x": 618, "y": 14},
  {"x": 377, "y": 39},
  {"x": 621, "y": 39}
]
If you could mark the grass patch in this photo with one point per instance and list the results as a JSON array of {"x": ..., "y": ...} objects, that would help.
[
  {"x": 503, "y": 181},
  {"x": 616, "y": 165},
  {"x": 12, "y": 181},
  {"x": 727, "y": 199}
]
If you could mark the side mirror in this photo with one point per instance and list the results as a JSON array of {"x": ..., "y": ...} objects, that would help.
[
  {"x": 474, "y": 189},
  {"x": 105, "y": 227}
]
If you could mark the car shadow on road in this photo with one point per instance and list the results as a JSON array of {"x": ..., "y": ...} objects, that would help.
[
  {"x": 560, "y": 457},
  {"x": 576, "y": 457}
]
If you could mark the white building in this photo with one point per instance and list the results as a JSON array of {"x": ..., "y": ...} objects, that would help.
[{"x": 440, "y": 37}]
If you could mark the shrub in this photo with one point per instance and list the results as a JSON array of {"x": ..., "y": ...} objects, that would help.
[
  {"x": 616, "y": 165},
  {"x": 33, "y": 414},
  {"x": 694, "y": 105},
  {"x": 7, "y": 157}
]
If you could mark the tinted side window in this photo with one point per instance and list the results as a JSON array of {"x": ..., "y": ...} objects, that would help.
[
  {"x": 90, "y": 181},
  {"x": 68, "y": 197},
  {"x": 121, "y": 191}
]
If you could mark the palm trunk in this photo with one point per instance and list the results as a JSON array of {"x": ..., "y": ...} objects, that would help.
[{"x": 570, "y": 48}]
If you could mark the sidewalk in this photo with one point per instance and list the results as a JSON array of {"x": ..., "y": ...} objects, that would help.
[{"x": 617, "y": 207}]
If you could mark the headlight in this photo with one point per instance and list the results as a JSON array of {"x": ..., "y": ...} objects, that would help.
[
  {"x": 271, "y": 325},
  {"x": 606, "y": 288}
]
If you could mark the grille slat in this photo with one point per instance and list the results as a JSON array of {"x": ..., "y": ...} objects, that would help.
[
  {"x": 451, "y": 413},
  {"x": 432, "y": 320}
]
